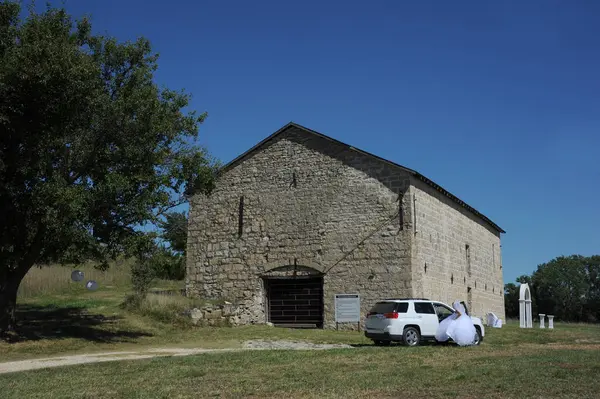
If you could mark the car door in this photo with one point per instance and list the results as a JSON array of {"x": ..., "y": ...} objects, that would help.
[
  {"x": 428, "y": 318},
  {"x": 442, "y": 311}
]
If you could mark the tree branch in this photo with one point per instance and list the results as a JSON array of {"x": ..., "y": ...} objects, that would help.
[{"x": 164, "y": 210}]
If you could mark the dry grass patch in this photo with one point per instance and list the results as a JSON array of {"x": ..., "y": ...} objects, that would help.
[
  {"x": 52, "y": 280},
  {"x": 172, "y": 309}
]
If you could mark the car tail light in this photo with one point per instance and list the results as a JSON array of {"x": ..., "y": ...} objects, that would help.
[{"x": 391, "y": 315}]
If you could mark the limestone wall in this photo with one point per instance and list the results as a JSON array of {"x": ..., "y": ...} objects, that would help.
[
  {"x": 215, "y": 315},
  {"x": 439, "y": 254},
  {"x": 306, "y": 201}
]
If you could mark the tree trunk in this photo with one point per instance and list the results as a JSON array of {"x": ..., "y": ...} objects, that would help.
[
  {"x": 8, "y": 302},
  {"x": 9, "y": 285},
  {"x": 10, "y": 279}
]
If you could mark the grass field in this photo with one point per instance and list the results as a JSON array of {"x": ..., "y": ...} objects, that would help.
[
  {"x": 510, "y": 363},
  {"x": 57, "y": 316}
]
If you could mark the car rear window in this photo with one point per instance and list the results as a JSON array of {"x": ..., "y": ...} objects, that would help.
[
  {"x": 388, "y": 307},
  {"x": 424, "y": 308}
]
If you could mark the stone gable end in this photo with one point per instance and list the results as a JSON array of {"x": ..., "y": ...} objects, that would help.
[{"x": 306, "y": 202}]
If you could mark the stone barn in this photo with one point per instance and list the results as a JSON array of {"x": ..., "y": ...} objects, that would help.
[{"x": 302, "y": 217}]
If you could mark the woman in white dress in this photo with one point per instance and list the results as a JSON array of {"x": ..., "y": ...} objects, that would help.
[
  {"x": 458, "y": 326},
  {"x": 440, "y": 334}
]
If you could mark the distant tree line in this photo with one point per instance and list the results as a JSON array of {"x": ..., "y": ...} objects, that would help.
[{"x": 567, "y": 287}]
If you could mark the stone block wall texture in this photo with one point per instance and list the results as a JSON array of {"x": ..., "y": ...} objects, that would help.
[
  {"x": 443, "y": 268},
  {"x": 315, "y": 203},
  {"x": 308, "y": 201}
]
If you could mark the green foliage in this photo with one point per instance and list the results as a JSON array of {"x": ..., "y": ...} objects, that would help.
[
  {"x": 142, "y": 275},
  {"x": 169, "y": 262},
  {"x": 567, "y": 287},
  {"x": 90, "y": 146},
  {"x": 175, "y": 230},
  {"x": 511, "y": 300},
  {"x": 167, "y": 265},
  {"x": 524, "y": 279}
]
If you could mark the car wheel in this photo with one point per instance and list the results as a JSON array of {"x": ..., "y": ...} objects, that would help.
[
  {"x": 478, "y": 337},
  {"x": 411, "y": 336}
]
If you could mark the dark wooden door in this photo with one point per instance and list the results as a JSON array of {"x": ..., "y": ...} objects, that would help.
[{"x": 295, "y": 302}]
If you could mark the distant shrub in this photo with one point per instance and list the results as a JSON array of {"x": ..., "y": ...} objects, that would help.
[
  {"x": 142, "y": 275},
  {"x": 168, "y": 265},
  {"x": 171, "y": 309}
]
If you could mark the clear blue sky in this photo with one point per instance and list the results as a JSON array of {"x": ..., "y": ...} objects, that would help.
[{"x": 498, "y": 102}]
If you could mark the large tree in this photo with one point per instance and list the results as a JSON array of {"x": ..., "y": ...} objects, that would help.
[
  {"x": 90, "y": 146},
  {"x": 564, "y": 287}
]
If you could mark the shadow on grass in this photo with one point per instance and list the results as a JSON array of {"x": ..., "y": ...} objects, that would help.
[
  {"x": 398, "y": 344},
  {"x": 36, "y": 322}
]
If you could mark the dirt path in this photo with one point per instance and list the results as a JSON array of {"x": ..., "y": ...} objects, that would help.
[{"x": 34, "y": 364}]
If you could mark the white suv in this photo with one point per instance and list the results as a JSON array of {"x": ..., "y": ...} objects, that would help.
[{"x": 410, "y": 320}]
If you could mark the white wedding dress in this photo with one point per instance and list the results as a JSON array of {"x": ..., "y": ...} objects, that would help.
[
  {"x": 458, "y": 328},
  {"x": 441, "y": 335}
]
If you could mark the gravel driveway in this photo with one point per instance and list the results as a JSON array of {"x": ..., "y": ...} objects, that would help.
[{"x": 34, "y": 364}]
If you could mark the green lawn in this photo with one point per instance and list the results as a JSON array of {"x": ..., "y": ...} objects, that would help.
[{"x": 511, "y": 362}]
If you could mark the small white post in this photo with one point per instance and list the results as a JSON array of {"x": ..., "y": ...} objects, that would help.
[
  {"x": 542, "y": 320},
  {"x": 550, "y": 321}
]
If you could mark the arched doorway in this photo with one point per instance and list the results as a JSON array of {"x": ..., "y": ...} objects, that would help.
[
  {"x": 294, "y": 296},
  {"x": 525, "y": 315}
]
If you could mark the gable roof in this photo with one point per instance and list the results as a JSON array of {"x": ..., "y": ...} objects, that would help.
[{"x": 412, "y": 172}]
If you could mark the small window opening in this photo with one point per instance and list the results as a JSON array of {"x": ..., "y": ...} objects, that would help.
[
  {"x": 241, "y": 217},
  {"x": 468, "y": 258}
]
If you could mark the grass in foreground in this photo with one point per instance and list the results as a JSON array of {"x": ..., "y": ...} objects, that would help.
[
  {"x": 536, "y": 364},
  {"x": 66, "y": 318}
]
